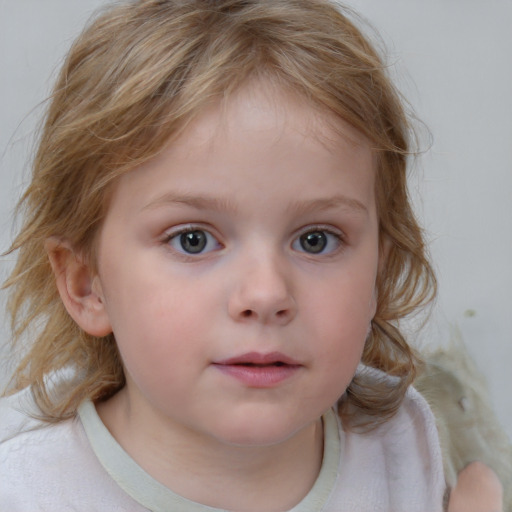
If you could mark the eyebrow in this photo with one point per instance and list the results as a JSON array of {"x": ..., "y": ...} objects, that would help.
[
  {"x": 329, "y": 203},
  {"x": 225, "y": 205},
  {"x": 198, "y": 202}
]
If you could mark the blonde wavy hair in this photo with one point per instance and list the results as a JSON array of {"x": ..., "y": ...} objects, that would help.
[{"x": 137, "y": 74}]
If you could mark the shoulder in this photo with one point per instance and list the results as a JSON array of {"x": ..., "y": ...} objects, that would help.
[
  {"x": 411, "y": 432},
  {"x": 50, "y": 466},
  {"x": 412, "y": 451},
  {"x": 22, "y": 431},
  {"x": 413, "y": 413},
  {"x": 397, "y": 465},
  {"x": 409, "y": 436},
  {"x": 29, "y": 449},
  {"x": 414, "y": 423},
  {"x": 16, "y": 417}
]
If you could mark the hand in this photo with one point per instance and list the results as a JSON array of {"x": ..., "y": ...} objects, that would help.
[{"x": 478, "y": 489}]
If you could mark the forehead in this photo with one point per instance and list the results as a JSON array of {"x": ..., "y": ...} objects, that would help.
[
  {"x": 259, "y": 134},
  {"x": 262, "y": 106}
]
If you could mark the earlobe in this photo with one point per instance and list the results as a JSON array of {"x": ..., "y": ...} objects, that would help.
[{"x": 79, "y": 288}]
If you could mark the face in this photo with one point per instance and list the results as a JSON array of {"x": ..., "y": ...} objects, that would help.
[{"x": 238, "y": 268}]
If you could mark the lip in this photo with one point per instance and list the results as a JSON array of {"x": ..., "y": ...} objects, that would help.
[{"x": 257, "y": 370}]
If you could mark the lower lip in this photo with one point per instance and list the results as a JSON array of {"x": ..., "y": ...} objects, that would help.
[{"x": 259, "y": 376}]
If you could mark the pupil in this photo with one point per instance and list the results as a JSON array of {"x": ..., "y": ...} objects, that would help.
[
  {"x": 193, "y": 242},
  {"x": 314, "y": 242}
]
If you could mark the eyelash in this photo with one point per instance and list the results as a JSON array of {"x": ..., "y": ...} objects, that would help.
[
  {"x": 190, "y": 229},
  {"x": 327, "y": 236},
  {"x": 339, "y": 239}
]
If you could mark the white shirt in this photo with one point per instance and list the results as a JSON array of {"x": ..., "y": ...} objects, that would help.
[{"x": 76, "y": 465}]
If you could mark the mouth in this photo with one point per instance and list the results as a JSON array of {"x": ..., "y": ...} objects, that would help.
[
  {"x": 258, "y": 370},
  {"x": 258, "y": 359},
  {"x": 258, "y": 365}
]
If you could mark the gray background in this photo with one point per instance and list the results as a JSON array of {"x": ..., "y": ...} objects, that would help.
[{"x": 453, "y": 61}]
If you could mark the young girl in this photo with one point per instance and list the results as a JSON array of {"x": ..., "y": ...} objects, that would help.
[{"x": 217, "y": 247}]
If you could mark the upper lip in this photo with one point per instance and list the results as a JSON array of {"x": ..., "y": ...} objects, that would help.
[{"x": 257, "y": 358}]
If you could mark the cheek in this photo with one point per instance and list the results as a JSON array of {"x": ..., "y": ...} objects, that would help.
[
  {"x": 158, "y": 329},
  {"x": 340, "y": 318},
  {"x": 156, "y": 353},
  {"x": 343, "y": 308}
]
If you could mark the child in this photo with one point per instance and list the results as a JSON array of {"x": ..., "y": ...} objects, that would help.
[{"x": 217, "y": 247}]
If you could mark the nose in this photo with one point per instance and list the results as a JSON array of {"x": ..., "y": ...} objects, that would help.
[{"x": 262, "y": 292}]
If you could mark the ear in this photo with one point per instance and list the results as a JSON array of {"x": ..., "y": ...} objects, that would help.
[{"x": 79, "y": 288}]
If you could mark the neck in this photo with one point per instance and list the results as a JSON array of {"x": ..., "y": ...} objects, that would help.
[{"x": 220, "y": 475}]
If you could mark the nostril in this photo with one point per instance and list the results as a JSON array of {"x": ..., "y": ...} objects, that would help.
[
  {"x": 247, "y": 313},
  {"x": 282, "y": 312}
]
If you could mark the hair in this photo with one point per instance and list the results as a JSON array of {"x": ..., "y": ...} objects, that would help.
[{"x": 138, "y": 73}]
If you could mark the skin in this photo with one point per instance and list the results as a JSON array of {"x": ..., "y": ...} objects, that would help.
[
  {"x": 255, "y": 177},
  {"x": 478, "y": 489}
]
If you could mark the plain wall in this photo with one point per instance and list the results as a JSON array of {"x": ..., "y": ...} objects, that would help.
[{"x": 451, "y": 58}]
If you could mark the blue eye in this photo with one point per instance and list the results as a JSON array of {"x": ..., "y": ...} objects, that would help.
[
  {"x": 193, "y": 241},
  {"x": 317, "y": 241}
]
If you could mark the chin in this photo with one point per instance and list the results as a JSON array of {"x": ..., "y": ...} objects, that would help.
[{"x": 254, "y": 433}]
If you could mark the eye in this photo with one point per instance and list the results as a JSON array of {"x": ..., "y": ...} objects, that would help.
[
  {"x": 317, "y": 241},
  {"x": 193, "y": 241}
]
